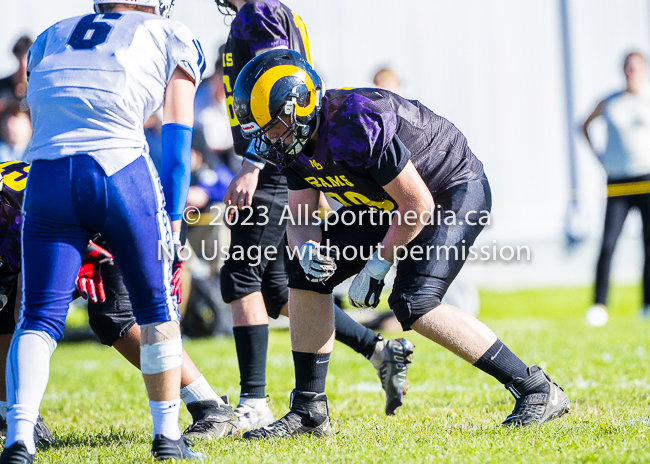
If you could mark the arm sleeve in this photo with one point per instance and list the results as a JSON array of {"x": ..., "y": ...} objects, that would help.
[
  {"x": 175, "y": 169},
  {"x": 259, "y": 24},
  {"x": 185, "y": 52}
]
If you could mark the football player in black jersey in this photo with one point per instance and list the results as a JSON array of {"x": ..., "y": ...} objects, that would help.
[
  {"x": 257, "y": 292},
  {"x": 110, "y": 315},
  {"x": 373, "y": 150}
]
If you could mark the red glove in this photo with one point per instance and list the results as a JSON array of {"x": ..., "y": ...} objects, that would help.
[
  {"x": 89, "y": 280},
  {"x": 177, "y": 273}
]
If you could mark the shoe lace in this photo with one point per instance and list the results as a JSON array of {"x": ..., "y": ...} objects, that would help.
[
  {"x": 243, "y": 410},
  {"x": 283, "y": 427},
  {"x": 199, "y": 426},
  {"x": 527, "y": 410},
  {"x": 382, "y": 373},
  {"x": 188, "y": 442}
]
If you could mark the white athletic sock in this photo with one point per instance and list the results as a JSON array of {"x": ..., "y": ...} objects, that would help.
[
  {"x": 200, "y": 390},
  {"x": 165, "y": 418},
  {"x": 3, "y": 410},
  {"x": 377, "y": 356},
  {"x": 28, "y": 370},
  {"x": 255, "y": 403},
  {"x": 22, "y": 418}
]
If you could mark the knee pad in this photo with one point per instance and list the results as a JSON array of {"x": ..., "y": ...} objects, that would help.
[
  {"x": 408, "y": 310},
  {"x": 110, "y": 328},
  {"x": 161, "y": 347}
]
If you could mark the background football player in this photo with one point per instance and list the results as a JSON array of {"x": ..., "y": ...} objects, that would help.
[
  {"x": 257, "y": 292},
  {"x": 370, "y": 148},
  {"x": 109, "y": 315},
  {"x": 93, "y": 82}
]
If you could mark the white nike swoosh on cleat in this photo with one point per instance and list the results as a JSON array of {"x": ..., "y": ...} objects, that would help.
[{"x": 554, "y": 400}]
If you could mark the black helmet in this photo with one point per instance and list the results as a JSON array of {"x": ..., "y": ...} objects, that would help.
[
  {"x": 226, "y": 8},
  {"x": 278, "y": 83}
]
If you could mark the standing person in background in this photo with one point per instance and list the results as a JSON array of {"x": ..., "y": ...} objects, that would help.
[
  {"x": 14, "y": 87},
  {"x": 626, "y": 160},
  {"x": 388, "y": 79},
  {"x": 257, "y": 292},
  {"x": 15, "y": 133},
  {"x": 93, "y": 82}
]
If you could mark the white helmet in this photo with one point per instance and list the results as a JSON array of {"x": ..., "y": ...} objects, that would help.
[{"x": 162, "y": 7}]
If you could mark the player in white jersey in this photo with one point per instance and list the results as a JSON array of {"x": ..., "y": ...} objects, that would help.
[{"x": 94, "y": 80}]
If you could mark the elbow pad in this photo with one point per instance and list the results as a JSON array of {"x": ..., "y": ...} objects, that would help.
[{"x": 176, "y": 167}]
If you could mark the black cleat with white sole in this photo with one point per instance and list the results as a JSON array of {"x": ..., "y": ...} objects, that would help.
[
  {"x": 309, "y": 414},
  {"x": 210, "y": 420},
  {"x": 16, "y": 454},
  {"x": 538, "y": 398},
  {"x": 163, "y": 448}
]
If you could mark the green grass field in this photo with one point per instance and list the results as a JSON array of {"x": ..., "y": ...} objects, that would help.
[{"x": 96, "y": 404}]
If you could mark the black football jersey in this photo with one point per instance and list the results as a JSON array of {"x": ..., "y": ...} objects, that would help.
[
  {"x": 14, "y": 181},
  {"x": 367, "y": 136},
  {"x": 259, "y": 24}
]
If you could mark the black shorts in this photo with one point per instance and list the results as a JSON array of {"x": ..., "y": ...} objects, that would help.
[
  {"x": 113, "y": 318},
  {"x": 7, "y": 316},
  {"x": 252, "y": 272},
  {"x": 8, "y": 291},
  {"x": 420, "y": 283}
]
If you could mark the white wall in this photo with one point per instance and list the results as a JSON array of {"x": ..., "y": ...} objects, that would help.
[{"x": 494, "y": 68}]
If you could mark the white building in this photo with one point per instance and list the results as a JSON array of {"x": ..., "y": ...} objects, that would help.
[{"x": 496, "y": 70}]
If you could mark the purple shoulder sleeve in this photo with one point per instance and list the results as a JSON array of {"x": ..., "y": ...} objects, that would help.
[{"x": 259, "y": 24}]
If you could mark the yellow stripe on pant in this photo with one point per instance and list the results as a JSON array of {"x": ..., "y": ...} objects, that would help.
[{"x": 631, "y": 188}]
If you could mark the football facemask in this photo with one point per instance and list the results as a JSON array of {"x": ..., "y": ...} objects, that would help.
[
  {"x": 162, "y": 7},
  {"x": 292, "y": 140},
  {"x": 226, "y": 8}
]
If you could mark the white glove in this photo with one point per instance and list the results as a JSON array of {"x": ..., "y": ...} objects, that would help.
[
  {"x": 367, "y": 285},
  {"x": 318, "y": 266}
]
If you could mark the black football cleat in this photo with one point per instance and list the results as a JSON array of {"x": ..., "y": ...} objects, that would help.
[
  {"x": 209, "y": 420},
  {"x": 539, "y": 399},
  {"x": 16, "y": 454},
  {"x": 42, "y": 435},
  {"x": 392, "y": 372},
  {"x": 308, "y": 414},
  {"x": 163, "y": 448}
]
